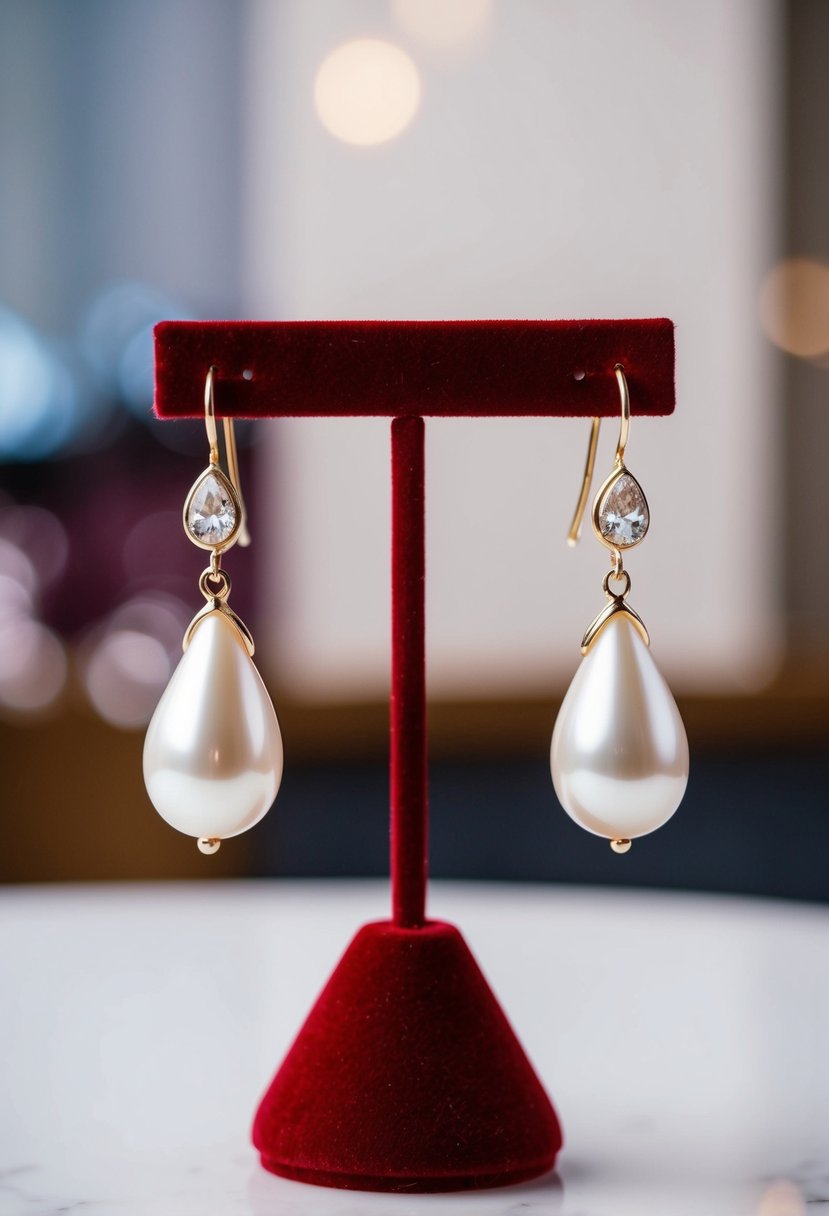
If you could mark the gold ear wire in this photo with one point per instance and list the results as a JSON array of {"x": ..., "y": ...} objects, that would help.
[
  {"x": 624, "y": 425},
  {"x": 233, "y": 470},
  {"x": 231, "y": 454},
  {"x": 578, "y": 515},
  {"x": 624, "y": 431}
]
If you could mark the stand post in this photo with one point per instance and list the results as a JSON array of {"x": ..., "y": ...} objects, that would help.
[
  {"x": 407, "y": 1075},
  {"x": 408, "y": 761}
]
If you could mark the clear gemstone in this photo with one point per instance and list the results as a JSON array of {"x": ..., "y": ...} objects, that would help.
[
  {"x": 211, "y": 514},
  {"x": 623, "y": 512}
]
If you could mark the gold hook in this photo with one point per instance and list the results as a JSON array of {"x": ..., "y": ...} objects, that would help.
[
  {"x": 231, "y": 454},
  {"x": 210, "y": 416},
  {"x": 624, "y": 432}
]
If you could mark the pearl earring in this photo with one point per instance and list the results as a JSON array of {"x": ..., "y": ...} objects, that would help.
[
  {"x": 619, "y": 755},
  {"x": 213, "y": 751}
]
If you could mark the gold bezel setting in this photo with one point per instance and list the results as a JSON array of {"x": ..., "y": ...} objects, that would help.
[
  {"x": 619, "y": 471},
  {"x": 214, "y": 471}
]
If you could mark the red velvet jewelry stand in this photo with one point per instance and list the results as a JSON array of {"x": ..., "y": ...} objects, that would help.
[{"x": 406, "y": 1075}]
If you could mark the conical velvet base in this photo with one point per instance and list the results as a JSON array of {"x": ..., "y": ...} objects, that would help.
[{"x": 407, "y": 1076}]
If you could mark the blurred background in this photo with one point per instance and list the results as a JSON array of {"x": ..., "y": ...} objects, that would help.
[{"x": 415, "y": 159}]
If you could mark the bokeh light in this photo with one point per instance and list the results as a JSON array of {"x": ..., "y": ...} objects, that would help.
[
  {"x": 117, "y": 338},
  {"x": 782, "y": 1198},
  {"x": 38, "y": 398},
  {"x": 444, "y": 23},
  {"x": 126, "y": 661},
  {"x": 162, "y": 616},
  {"x": 17, "y": 570},
  {"x": 33, "y": 665},
  {"x": 38, "y": 537},
  {"x": 794, "y": 306},
  {"x": 367, "y": 91},
  {"x": 16, "y": 599},
  {"x": 125, "y": 675},
  {"x": 135, "y": 372}
]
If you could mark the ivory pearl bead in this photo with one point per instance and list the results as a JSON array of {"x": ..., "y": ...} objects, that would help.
[
  {"x": 619, "y": 755},
  {"x": 213, "y": 752}
]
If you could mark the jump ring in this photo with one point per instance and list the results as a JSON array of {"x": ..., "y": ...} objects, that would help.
[
  {"x": 214, "y": 585},
  {"x": 623, "y": 577}
]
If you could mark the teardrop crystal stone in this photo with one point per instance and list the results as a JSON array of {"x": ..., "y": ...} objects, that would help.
[
  {"x": 622, "y": 516},
  {"x": 619, "y": 755},
  {"x": 211, "y": 514},
  {"x": 213, "y": 751}
]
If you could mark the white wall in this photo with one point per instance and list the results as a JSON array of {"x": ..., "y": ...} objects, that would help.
[{"x": 584, "y": 158}]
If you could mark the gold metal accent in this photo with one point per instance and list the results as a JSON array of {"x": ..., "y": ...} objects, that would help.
[
  {"x": 619, "y": 471},
  {"x": 214, "y": 584},
  {"x": 624, "y": 425},
  {"x": 231, "y": 479},
  {"x": 617, "y": 605},
  {"x": 617, "y": 572},
  {"x": 210, "y": 414},
  {"x": 228, "y": 613},
  {"x": 231, "y": 453},
  {"x": 213, "y": 470},
  {"x": 621, "y": 846},
  {"x": 578, "y": 515},
  {"x": 618, "y": 464},
  {"x": 209, "y": 844},
  {"x": 619, "y": 575}
]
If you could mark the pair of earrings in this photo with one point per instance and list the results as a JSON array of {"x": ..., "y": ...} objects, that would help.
[
  {"x": 213, "y": 751},
  {"x": 619, "y": 754}
]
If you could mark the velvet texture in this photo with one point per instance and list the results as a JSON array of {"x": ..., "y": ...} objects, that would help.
[
  {"x": 407, "y": 1076},
  {"x": 408, "y": 750},
  {"x": 427, "y": 368}
]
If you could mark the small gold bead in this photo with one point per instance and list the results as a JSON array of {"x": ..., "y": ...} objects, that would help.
[
  {"x": 620, "y": 846},
  {"x": 209, "y": 844}
]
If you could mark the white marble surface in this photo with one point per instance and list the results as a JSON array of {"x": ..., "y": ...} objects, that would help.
[{"x": 682, "y": 1038}]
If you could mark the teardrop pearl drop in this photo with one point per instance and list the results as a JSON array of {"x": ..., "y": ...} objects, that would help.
[
  {"x": 619, "y": 755},
  {"x": 213, "y": 752}
]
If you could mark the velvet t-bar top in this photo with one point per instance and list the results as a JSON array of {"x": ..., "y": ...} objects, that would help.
[{"x": 280, "y": 369}]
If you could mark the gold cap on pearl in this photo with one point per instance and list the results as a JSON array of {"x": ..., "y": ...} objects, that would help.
[
  {"x": 618, "y": 846},
  {"x": 209, "y": 844}
]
